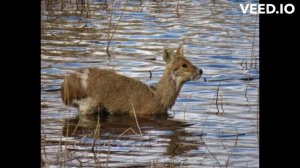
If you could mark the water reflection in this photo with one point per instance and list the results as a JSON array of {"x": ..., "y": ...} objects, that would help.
[{"x": 113, "y": 126}]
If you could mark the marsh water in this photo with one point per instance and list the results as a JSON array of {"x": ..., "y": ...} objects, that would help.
[{"x": 214, "y": 122}]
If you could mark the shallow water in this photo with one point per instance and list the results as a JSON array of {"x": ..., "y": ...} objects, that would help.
[{"x": 212, "y": 124}]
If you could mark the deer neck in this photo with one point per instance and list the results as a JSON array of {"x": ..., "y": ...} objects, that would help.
[{"x": 168, "y": 89}]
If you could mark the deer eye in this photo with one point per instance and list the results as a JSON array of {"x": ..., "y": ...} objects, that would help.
[{"x": 184, "y": 65}]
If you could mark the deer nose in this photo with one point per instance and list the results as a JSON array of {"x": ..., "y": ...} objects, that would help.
[{"x": 200, "y": 71}]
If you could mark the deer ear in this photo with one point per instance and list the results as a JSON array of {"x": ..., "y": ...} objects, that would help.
[
  {"x": 168, "y": 55},
  {"x": 179, "y": 51}
]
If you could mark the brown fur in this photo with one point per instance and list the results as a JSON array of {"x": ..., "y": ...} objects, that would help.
[{"x": 94, "y": 89}]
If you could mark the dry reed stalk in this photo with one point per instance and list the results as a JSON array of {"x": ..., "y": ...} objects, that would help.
[
  {"x": 212, "y": 155},
  {"x": 217, "y": 98},
  {"x": 96, "y": 160},
  {"x": 201, "y": 137},
  {"x": 66, "y": 91},
  {"x": 252, "y": 50},
  {"x": 235, "y": 145},
  {"x": 75, "y": 129},
  {"x": 128, "y": 129},
  {"x": 96, "y": 133},
  {"x": 222, "y": 105},
  {"x": 110, "y": 39},
  {"x": 44, "y": 148},
  {"x": 246, "y": 91},
  {"x": 60, "y": 146},
  {"x": 137, "y": 123},
  {"x": 187, "y": 106},
  {"x": 177, "y": 8}
]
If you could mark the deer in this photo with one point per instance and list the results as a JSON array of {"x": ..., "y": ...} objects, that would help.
[{"x": 94, "y": 90}]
